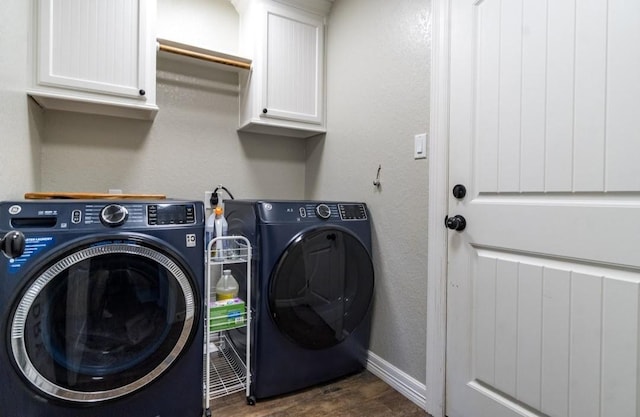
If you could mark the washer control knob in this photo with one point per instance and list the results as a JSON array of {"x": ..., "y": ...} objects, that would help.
[
  {"x": 12, "y": 244},
  {"x": 323, "y": 211},
  {"x": 113, "y": 215}
]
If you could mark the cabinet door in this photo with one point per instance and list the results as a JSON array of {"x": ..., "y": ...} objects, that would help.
[
  {"x": 294, "y": 68},
  {"x": 93, "y": 45}
]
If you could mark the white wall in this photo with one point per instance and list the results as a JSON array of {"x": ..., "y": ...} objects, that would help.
[
  {"x": 378, "y": 98},
  {"x": 19, "y": 117}
]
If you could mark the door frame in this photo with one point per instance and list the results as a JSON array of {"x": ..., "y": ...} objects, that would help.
[{"x": 437, "y": 277}]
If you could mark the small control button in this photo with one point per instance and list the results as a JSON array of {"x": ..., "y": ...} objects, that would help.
[
  {"x": 152, "y": 215},
  {"x": 191, "y": 214},
  {"x": 76, "y": 216},
  {"x": 303, "y": 212}
]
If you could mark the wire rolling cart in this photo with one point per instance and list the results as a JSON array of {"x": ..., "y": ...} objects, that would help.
[{"x": 227, "y": 371}]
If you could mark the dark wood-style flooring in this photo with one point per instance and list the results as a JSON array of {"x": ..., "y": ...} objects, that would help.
[{"x": 362, "y": 394}]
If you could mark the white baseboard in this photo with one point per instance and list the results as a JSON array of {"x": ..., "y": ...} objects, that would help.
[{"x": 400, "y": 381}]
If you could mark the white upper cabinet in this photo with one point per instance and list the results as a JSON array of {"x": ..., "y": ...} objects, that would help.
[
  {"x": 96, "y": 56},
  {"x": 284, "y": 94}
]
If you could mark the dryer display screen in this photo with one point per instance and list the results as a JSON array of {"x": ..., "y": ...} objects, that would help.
[{"x": 352, "y": 212}]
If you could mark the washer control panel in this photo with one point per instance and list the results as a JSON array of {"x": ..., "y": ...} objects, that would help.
[{"x": 96, "y": 214}]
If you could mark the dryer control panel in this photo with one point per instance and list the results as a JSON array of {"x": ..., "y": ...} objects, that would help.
[{"x": 311, "y": 211}]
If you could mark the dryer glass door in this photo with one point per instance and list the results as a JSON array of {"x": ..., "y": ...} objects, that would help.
[
  {"x": 321, "y": 288},
  {"x": 102, "y": 321}
]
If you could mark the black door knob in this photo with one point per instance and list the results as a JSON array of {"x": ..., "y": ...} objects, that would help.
[
  {"x": 12, "y": 244},
  {"x": 456, "y": 222}
]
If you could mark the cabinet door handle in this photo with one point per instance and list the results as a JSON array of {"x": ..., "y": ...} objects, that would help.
[
  {"x": 264, "y": 111},
  {"x": 142, "y": 92}
]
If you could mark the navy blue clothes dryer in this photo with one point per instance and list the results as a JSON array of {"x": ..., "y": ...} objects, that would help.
[
  {"x": 102, "y": 314},
  {"x": 312, "y": 291}
]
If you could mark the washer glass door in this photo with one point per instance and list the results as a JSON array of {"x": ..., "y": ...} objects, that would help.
[
  {"x": 321, "y": 288},
  {"x": 103, "y": 321}
]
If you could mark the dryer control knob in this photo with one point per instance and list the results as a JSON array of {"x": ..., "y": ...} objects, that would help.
[
  {"x": 113, "y": 215},
  {"x": 323, "y": 211}
]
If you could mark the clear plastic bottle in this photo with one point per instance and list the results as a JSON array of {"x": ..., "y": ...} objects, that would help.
[
  {"x": 221, "y": 226},
  {"x": 227, "y": 286},
  {"x": 209, "y": 229}
]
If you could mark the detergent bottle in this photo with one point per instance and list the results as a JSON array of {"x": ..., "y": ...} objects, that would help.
[{"x": 227, "y": 286}]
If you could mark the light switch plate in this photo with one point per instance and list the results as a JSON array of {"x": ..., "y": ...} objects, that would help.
[{"x": 420, "y": 146}]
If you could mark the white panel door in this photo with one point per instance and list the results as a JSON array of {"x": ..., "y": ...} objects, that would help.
[{"x": 543, "y": 296}]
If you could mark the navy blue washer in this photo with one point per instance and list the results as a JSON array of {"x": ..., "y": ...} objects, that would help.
[
  {"x": 102, "y": 314},
  {"x": 312, "y": 291}
]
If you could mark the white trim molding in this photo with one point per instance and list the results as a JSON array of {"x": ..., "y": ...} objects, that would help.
[
  {"x": 438, "y": 198},
  {"x": 398, "y": 380}
]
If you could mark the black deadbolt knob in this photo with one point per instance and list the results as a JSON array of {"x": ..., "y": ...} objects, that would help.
[
  {"x": 456, "y": 222},
  {"x": 12, "y": 244},
  {"x": 459, "y": 191}
]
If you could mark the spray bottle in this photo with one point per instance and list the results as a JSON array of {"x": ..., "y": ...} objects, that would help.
[{"x": 220, "y": 227}]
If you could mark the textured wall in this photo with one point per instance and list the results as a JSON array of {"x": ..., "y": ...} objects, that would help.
[
  {"x": 378, "y": 98},
  {"x": 190, "y": 147},
  {"x": 19, "y": 117},
  {"x": 214, "y": 25}
]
